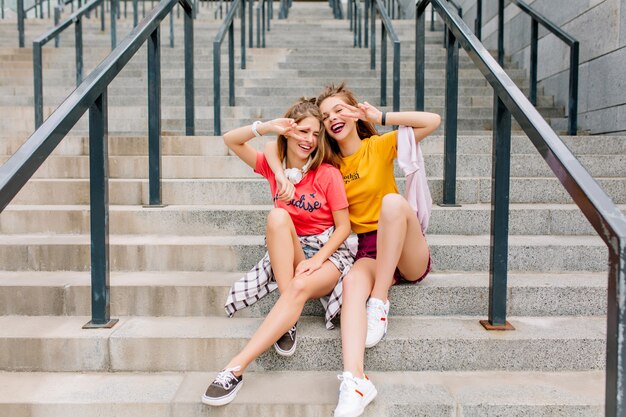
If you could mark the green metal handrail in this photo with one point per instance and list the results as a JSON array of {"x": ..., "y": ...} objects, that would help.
[
  {"x": 74, "y": 19},
  {"x": 91, "y": 95},
  {"x": 570, "y": 41},
  {"x": 227, "y": 25},
  {"x": 595, "y": 204}
]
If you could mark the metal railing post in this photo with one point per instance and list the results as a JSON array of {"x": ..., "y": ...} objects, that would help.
[
  {"x": 231, "y": 64},
  {"x": 615, "y": 399},
  {"x": 113, "y": 24},
  {"x": 478, "y": 22},
  {"x": 20, "y": 22},
  {"x": 57, "y": 18},
  {"x": 373, "y": 36},
  {"x": 217, "y": 129},
  {"x": 534, "y": 32},
  {"x": 99, "y": 218},
  {"x": 396, "y": 76},
  {"x": 500, "y": 179},
  {"x": 258, "y": 24},
  {"x": 251, "y": 23},
  {"x": 102, "y": 18},
  {"x": 189, "y": 81},
  {"x": 243, "y": 33},
  {"x": 263, "y": 23},
  {"x": 383, "y": 65},
  {"x": 154, "y": 117},
  {"x": 365, "y": 23},
  {"x": 38, "y": 78},
  {"x": 450, "y": 132},
  {"x": 572, "y": 126},
  {"x": 350, "y": 5},
  {"x": 420, "y": 54},
  {"x": 78, "y": 36},
  {"x": 172, "y": 29},
  {"x": 501, "y": 33}
]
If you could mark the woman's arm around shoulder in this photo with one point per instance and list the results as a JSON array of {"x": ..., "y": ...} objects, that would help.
[
  {"x": 284, "y": 188},
  {"x": 237, "y": 139}
]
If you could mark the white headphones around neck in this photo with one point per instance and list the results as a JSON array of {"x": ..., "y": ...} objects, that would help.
[{"x": 295, "y": 175}]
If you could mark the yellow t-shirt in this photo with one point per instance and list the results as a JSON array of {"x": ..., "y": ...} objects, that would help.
[{"x": 368, "y": 177}]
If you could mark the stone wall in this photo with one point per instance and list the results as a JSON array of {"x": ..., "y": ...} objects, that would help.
[{"x": 599, "y": 26}]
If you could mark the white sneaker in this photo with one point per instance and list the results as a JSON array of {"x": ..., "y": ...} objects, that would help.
[
  {"x": 354, "y": 395},
  {"x": 377, "y": 313}
]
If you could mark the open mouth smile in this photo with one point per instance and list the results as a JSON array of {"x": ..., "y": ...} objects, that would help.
[{"x": 337, "y": 127}]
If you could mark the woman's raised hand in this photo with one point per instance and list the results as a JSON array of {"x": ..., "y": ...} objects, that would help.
[
  {"x": 363, "y": 111},
  {"x": 281, "y": 126},
  {"x": 371, "y": 113}
]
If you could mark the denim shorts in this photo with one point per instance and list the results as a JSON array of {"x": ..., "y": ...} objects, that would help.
[
  {"x": 308, "y": 251},
  {"x": 367, "y": 249}
]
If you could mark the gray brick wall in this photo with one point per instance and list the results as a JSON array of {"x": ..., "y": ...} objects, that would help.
[{"x": 599, "y": 26}]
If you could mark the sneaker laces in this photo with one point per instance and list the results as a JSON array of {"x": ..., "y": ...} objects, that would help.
[
  {"x": 225, "y": 377},
  {"x": 347, "y": 382},
  {"x": 291, "y": 332}
]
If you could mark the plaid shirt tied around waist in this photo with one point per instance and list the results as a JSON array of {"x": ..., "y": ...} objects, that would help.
[{"x": 259, "y": 281}]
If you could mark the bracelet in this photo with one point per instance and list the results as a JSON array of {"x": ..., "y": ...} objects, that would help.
[
  {"x": 256, "y": 132},
  {"x": 383, "y": 119}
]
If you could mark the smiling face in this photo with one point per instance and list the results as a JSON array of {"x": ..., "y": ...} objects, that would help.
[
  {"x": 300, "y": 149},
  {"x": 336, "y": 123}
]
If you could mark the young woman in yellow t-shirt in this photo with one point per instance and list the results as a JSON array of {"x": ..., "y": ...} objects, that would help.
[{"x": 392, "y": 247}]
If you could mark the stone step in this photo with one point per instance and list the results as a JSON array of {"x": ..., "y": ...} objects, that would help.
[
  {"x": 175, "y": 87},
  {"x": 418, "y": 394},
  {"x": 202, "y": 294},
  {"x": 154, "y": 344},
  {"x": 474, "y": 219},
  {"x": 255, "y": 191},
  {"x": 214, "y": 145},
  {"x": 45, "y": 252},
  {"x": 468, "y": 165},
  {"x": 260, "y": 104},
  {"x": 130, "y": 126}
]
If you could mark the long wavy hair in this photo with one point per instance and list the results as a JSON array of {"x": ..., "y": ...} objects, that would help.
[
  {"x": 364, "y": 129},
  {"x": 300, "y": 110}
]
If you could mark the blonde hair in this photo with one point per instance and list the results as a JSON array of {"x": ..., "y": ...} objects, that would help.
[
  {"x": 300, "y": 110},
  {"x": 364, "y": 129}
]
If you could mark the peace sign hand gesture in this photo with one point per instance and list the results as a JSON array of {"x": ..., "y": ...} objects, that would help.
[
  {"x": 363, "y": 111},
  {"x": 280, "y": 126}
]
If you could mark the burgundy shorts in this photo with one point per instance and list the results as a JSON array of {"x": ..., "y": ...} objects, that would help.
[{"x": 367, "y": 249}]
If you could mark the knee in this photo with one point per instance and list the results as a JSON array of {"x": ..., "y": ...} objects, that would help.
[
  {"x": 298, "y": 289},
  {"x": 352, "y": 281},
  {"x": 277, "y": 218},
  {"x": 393, "y": 207}
]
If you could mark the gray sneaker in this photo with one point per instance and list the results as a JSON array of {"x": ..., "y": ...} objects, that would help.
[
  {"x": 224, "y": 388},
  {"x": 286, "y": 345}
]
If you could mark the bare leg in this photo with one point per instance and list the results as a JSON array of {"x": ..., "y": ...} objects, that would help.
[
  {"x": 400, "y": 243},
  {"x": 357, "y": 286},
  {"x": 283, "y": 247},
  {"x": 286, "y": 312}
]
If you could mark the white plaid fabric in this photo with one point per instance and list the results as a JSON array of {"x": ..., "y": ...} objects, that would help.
[{"x": 259, "y": 281}]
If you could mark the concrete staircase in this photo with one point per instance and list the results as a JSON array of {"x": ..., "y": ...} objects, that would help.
[{"x": 172, "y": 266}]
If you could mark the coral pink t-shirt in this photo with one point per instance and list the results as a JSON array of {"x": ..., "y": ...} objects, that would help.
[{"x": 320, "y": 192}]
